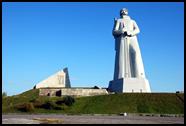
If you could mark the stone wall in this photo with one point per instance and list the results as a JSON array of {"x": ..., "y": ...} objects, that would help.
[
  {"x": 83, "y": 92},
  {"x": 71, "y": 92},
  {"x": 49, "y": 91}
]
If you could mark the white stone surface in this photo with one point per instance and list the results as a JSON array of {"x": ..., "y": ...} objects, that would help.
[
  {"x": 136, "y": 85},
  {"x": 129, "y": 70},
  {"x": 130, "y": 85},
  {"x": 59, "y": 79}
]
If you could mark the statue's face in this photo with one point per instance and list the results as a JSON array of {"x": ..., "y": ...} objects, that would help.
[{"x": 123, "y": 12}]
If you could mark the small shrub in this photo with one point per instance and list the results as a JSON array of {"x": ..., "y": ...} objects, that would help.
[
  {"x": 4, "y": 94},
  {"x": 59, "y": 108},
  {"x": 29, "y": 107},
  {"x": 25, "y": 107},
  {"x": 48, "y": 105},
  {"x": 38, "y": 103},
  {"x": 51, "y": 105},
  {"x": 60, "y": 102},
  {"x": 33, "y": 100},
  {"x": 68, "y": 100}
]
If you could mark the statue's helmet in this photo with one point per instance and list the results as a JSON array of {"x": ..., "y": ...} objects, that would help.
[{"x": 123, "y": 11}]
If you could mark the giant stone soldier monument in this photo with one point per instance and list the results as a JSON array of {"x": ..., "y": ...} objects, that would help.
[{"x": 129, "y": 74}]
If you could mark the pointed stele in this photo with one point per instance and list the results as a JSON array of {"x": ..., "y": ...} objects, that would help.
[{"x": 57, "y": 80}]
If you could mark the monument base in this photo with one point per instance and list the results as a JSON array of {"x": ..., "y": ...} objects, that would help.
[{"x": 129, "y": 85}]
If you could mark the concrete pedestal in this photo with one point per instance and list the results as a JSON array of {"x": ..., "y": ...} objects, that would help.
[{"x": 129, "y": 85}]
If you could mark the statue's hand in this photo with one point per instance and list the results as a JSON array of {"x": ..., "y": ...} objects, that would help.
[
  {"x": 129, "y": 33},
  {"x": 116, "y": 32},
  {"x": 123, "y": 30}
]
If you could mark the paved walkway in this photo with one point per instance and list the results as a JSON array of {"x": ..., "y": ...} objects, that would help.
[{"x": 87, "y": 119}]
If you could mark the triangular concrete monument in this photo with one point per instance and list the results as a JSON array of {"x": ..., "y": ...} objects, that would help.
[{"x": 57, "y": 80}]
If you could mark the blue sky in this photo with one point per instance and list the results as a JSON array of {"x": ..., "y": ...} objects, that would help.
[{"x": 39, "y": 39}]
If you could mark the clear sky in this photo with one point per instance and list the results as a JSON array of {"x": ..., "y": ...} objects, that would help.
[{"x": 39, "y": 39}]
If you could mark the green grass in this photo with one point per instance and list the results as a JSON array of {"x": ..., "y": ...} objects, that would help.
[
  {"x": 163, "y": 103},
  {"x": 129, "y": 102}
]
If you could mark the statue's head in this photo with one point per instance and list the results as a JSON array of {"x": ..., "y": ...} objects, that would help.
[{"x": 123, "y": 12}]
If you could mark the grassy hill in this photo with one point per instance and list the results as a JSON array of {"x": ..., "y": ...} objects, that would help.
[{"x": 164, "y": 103}]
